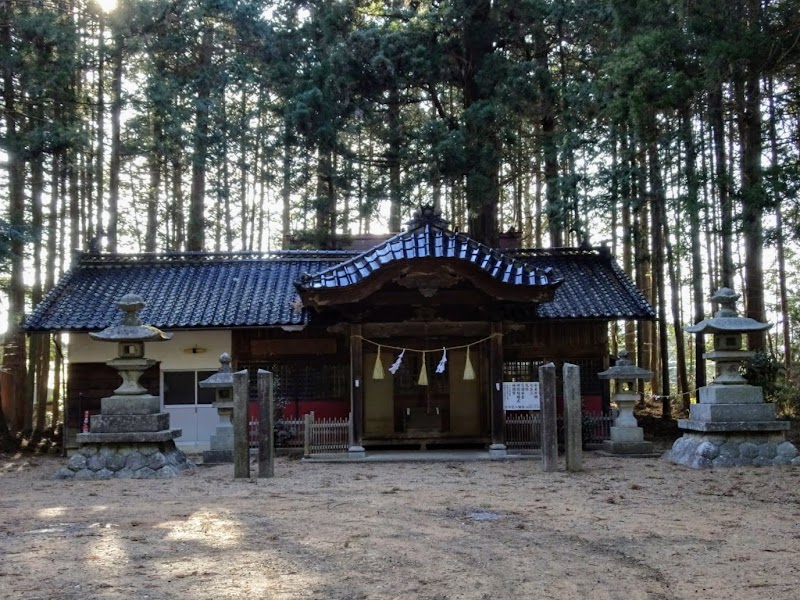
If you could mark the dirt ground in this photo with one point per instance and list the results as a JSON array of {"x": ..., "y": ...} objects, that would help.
[{"x": 622, "y": 528}]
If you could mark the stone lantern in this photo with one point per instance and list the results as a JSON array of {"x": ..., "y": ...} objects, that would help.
[
  {"x": 731, "y": 425},
  {"x": 222, "y": 441},
  {"x": 131, "y": 437},
  {"x": 626, "y": 435}
]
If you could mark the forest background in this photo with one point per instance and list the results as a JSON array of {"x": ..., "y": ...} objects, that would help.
[{"x": 665, "y": 129}]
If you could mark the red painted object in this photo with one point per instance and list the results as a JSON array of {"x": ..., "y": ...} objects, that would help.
[
  {"x": 85, "y": 428},
  {"x": 323, "y": 409}
]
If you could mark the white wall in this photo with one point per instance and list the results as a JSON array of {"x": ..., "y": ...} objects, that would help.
[{"x": 172, "y": 354}]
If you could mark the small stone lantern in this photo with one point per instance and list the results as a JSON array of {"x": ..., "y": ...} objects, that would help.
[
  {"x": 222, "y": 441},
  {"x": 626, "y": 435}
]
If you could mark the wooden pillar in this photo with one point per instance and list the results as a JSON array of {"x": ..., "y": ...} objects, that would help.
[
  {"x": 572, "y": 417},
  {"x": 498, "y": 447},
  {"x": 547, "y": 394},
  {"x": 356, "y": 390},
  {"x": 266, "y": 425},
  {"x": 241, "y": 441}
]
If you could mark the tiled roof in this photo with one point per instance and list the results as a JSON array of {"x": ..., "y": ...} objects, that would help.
[
  {"x": 594, "y": 286},
  {"x": 184, "y": 291},
  {"x": 430, "y": 240}
]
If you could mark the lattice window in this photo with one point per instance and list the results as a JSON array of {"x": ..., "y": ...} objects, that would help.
[
  {"x": 528, "y": 370},
  {"x": 304, "y": 381}
]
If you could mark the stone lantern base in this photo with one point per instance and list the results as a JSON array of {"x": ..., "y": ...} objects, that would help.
[
  {"x": 703, "y": 450},
  {"x": 732, "y": 426},
  {"x": 627, "y": 440},
  {"x": 133, "y": 459}
]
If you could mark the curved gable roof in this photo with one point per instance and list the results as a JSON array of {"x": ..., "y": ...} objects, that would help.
[{"x": 425, "y": 241}]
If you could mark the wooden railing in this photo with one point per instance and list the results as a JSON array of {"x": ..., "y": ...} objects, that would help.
[{"x": 523, "y": 430}]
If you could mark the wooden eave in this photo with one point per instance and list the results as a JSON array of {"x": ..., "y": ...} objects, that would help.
[{"x": 427, "y": 276}]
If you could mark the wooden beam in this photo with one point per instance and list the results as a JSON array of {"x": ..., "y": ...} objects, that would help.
[
  {"x": 435, "y": 328},
  {"x": 356, "y": 386},
  {"x": 496, "y": 383}
]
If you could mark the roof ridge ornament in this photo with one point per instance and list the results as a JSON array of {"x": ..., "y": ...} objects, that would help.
[{"x": 427, "y": 215}]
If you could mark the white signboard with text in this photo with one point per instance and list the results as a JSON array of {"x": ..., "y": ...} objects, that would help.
[{"x": 521, "y": 395}]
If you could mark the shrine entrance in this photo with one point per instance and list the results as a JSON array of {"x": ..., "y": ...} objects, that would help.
[{"x": 447, "y": 409}]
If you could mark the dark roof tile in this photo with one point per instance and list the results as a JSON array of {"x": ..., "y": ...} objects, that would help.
[{"x": 240, "y": 290}]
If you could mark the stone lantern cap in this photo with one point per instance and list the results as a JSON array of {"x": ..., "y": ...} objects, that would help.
[
  {"x": 131, "y": 329},
  {"x": 727, "y": 319},
  {"x": 625, "y": 370},
  {"x": 223, "y": 378}
]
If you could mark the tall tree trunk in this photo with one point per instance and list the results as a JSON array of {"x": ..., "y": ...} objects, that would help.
[
  {"x": 326, "y": 198},
  {"x": 286, "y": 188},
  {"x": 195, "y": 241},
  {"x": 779, "y": 238},
  {"x": 14, "y": 350},
  {"x": 658, "y": 212},
  {"x": 116, "y": 142},
  {"x": 99, "y": 165},
  {"x": 155, "y": 165},
  {"x": 393, "y": 159},
  {"x": 693, "y": 210},
  {"x": 753, "y": 199},
  {"x": 482, "y": 140},
  {"x": 549, "y": 142},
  {"x": 722, "y": 184}
]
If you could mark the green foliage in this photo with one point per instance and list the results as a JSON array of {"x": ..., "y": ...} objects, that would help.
[{"x": 765, "y": 371}]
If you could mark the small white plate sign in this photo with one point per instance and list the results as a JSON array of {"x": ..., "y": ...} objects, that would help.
[{"x": 521, "y": 395}]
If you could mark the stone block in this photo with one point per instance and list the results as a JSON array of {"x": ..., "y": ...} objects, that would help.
[
  {"x": 135, "y": 461},
  {"x": 138, "y": 437},
  {"x": 84, "y": 475},
  {"x": 729, "y": 450},
  {"x": 124, "y": 474},
  {"x": 627, "y": 434},
  {"x": 156, "y": 461},
  {"x": 708, "y": 450},
  {"x": 730, "y": 394},
  {"x": 78, "y": 462},
  {"x": 144, "y": 473},
  {"x": 223, "y": 440},
  {"x": 104, "y": 474},
  {"x": 115, "y": 462},
  {"x": 166, "y": 472},
  {"x": 781, "y": 461},
  {"x": 130, "y": 405},
  {"x": 640, "y": 447},
  {"x": 129, "y": 423},
  {"x": 748, "y": 449},
  {"x": 64, "y": 473},
  {"x": 732, "y": 426},
  {"x": 215, "y": 457},
  {"x": 787, "y": 449},
  {"x": 768, "y": 450},
  {"x": 723, "y": 461},
  {"x": 732, "y": 412},
  {"x": 97, "y": 462}
]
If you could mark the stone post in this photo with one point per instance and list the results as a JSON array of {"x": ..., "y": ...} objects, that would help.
[
  {"x": 573, "y": 417},
  {"x": 241, "y": 441},
  {"x": 308, "y": 422},
  {"x": 266, "y": 425},
  {"x": 547, "y": 393}
]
